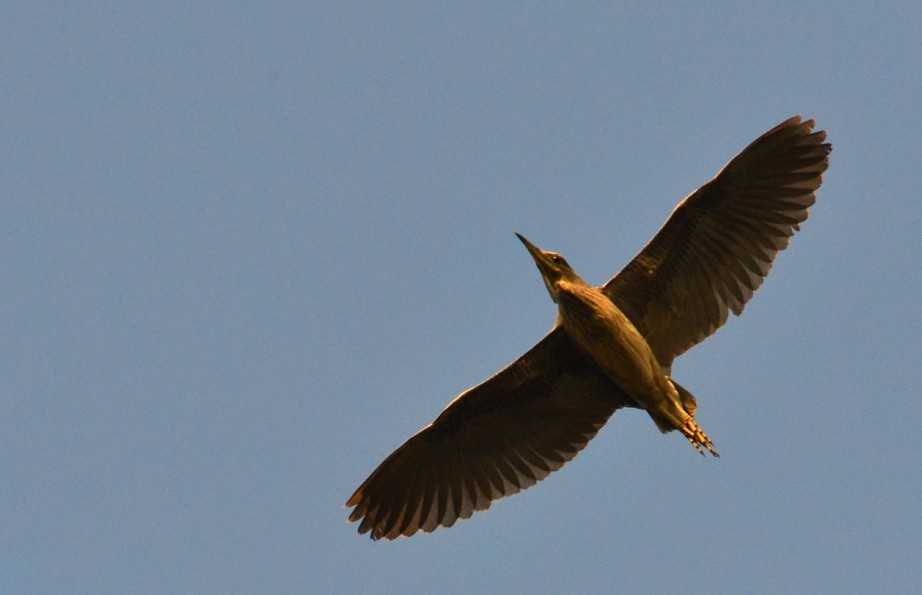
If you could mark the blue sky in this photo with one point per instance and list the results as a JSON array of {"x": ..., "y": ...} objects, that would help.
[{"x": 248, "y": 250}]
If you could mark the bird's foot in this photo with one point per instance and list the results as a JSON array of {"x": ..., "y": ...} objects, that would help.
[{"x": 697, "y": 436}]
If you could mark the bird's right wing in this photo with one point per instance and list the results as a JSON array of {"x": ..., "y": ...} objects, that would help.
[{"x": 495, "y": 439}]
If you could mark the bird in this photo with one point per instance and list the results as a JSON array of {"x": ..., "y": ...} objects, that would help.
[{"x": 611, "y": 347}]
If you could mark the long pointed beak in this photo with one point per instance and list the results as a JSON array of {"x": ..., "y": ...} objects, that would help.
[
  {"x": 532, "y": 249},
  {"x": 544, "y": 265}
]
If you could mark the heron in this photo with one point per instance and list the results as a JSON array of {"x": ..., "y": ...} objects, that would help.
[{"x": 611, "y": 347}]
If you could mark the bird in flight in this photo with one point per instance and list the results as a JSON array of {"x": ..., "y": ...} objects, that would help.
[{"x": 612, "y": 346}]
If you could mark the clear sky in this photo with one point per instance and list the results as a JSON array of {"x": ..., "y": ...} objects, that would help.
[{"x": 247, "y": 250}]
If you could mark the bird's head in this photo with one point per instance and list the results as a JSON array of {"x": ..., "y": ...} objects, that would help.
[{"x": 553, "y": 267}]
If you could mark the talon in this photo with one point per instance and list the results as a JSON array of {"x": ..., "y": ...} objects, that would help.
[{"x": 697, "y": 436}]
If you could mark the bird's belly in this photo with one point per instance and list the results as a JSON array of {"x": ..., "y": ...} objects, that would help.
[
  {"x": 626, "y": 359},
  {"x": 617, "y": 347}
]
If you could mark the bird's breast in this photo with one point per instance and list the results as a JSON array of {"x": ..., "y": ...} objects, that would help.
[{"x": 610, "y": 339}]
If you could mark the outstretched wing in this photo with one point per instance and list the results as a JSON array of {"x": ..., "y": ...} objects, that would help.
[
  {"x": 718, "y": 245},
  {"x": 492, "y": 441}
]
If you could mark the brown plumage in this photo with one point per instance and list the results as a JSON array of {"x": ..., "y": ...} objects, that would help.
[{"x": 612, "y": 346}]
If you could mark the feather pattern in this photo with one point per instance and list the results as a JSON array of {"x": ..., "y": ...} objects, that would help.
[
  {"x": 719, "y": 243},
  {"x": 494, "y": 440}
]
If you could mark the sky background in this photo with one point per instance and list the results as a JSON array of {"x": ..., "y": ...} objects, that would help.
[{"x": 247, "y": 250}]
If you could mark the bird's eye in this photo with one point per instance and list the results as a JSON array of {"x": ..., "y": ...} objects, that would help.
[{"x": 558, "y": 259}]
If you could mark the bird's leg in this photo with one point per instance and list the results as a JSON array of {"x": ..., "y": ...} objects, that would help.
[{"x": 696, "y": 436}]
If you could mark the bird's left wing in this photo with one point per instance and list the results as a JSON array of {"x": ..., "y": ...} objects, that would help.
[
  {"x": 495, "y": 439},
  {"x": 718, "y": 245}
]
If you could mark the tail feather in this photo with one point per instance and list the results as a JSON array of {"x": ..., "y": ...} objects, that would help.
[
  {"x": 689, "y": 402},
  {"x": 669, "y": 416}
]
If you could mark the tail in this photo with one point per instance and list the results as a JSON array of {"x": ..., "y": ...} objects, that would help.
[
  {"x": 689, "y": 402},
  {"x": 669, "y": 417}
]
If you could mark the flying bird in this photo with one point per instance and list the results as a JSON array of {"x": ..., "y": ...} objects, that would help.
[{"x": 611, "y": 347}]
